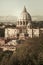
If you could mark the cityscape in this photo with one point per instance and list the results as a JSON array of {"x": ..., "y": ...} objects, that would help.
[
  {"x": 21, "y": 32},
  {"x": 23, "y": 29}
]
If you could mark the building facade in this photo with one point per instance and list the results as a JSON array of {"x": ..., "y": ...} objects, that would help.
[{"x": 24, "y": 27}]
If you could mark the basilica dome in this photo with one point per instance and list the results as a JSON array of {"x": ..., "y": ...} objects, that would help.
[
  {"x": 24, "y": 18},
  {"x": 24, "y": 15}
]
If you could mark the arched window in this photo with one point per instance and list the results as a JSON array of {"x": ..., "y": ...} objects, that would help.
[
  {"x": 23, "y": 22},
  {"x": 20, "y": 22}
]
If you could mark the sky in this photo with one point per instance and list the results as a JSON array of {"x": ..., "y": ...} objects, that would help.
[{"x": 15, "y": 7}]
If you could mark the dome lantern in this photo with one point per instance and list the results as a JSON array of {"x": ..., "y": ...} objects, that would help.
[{"x": 24, "y": 10}]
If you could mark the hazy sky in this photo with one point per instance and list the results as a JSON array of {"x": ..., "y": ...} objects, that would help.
[{"x": 14, "y": 7}]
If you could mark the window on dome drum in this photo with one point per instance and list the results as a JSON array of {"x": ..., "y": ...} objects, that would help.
[
  {"x": 23, "y": 22},
  {"x": 20, "y": 22}
]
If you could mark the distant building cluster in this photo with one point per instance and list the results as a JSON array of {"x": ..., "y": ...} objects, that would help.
[{"x": 24, "y": 28}]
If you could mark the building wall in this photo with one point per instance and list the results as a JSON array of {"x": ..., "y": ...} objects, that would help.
[
  {"x": 11, "y": 33},
  {"x": 33, "y": 32},
  {"x": 41, "y": 30},
  {"x": 36, "y": 32}
]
